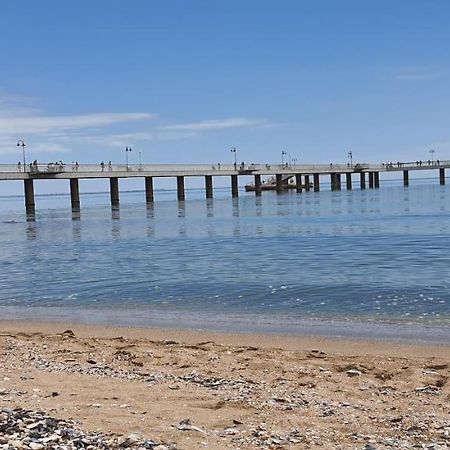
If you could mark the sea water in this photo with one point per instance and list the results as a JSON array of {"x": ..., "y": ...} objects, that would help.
[{"x": 368, "y": 263}]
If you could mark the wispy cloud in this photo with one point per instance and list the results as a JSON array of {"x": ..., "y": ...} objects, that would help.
[
  {"x": 207, "y": 125},
  {"x": 8, "y": 147},
  {"x": 45, "y": 133},
  {"x": 121, "y": 140},
  {"x": 53, "y": 134},
  {"x": 417, "y": 74},
  {"x": 46, "y": 124}
]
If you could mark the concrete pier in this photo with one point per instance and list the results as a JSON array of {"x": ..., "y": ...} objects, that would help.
[
  {"x": 258, "y": 185},
  {"x": 149, "y": 197},
  {"x": 316, "y": 178},
  {"x": 29, "y": 196},
  {"x": 405, "y": 178},
  {"x": 371, "y": 185},
  {"x": 279, "y": 181},
  {"x": 376, "y": 176},
  {"x": 234, "y": 186},
  {"x": 114, "y": 191},
  {"x": 209, "y": 186},
  {"x": 180, "y": 189},
  {"x": 74, "y": 193},
  {"x": 348, "y": 181},
  {"x": 307, "y": 183},
  {"x": 362, "y": 180},
  {"x": 298, "y": 182},
  {"x": 280, "y": 177}
]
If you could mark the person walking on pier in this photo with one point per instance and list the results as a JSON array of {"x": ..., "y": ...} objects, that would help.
[
  {"x": 109, "y": 166},
  {"x": 102, "y": 165},
  {"x": 19, "y": 166}
]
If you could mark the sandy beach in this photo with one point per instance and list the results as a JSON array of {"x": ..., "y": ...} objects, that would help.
[{"x": 190, "y": 389}]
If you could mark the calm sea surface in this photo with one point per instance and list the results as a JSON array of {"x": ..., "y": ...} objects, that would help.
[{"x": 362, "y": 263}]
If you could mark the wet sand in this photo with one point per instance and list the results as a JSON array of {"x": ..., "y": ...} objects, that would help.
[{"x": 237, "y": 390}]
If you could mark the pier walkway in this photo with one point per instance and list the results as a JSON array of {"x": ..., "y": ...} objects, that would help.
[{"x": 306, "y": 175}]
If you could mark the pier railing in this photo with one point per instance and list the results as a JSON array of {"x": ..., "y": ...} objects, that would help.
[
  {"x": 429, "y": 164},
  {"x": 200, "y": 168}
]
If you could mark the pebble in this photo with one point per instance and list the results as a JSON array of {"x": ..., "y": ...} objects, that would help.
[{"x": 24, "y": 429}]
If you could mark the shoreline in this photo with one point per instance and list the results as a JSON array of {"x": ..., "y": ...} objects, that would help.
[
  {"x": 294, "y": 342},
  {"x": 243, "y": 324}
]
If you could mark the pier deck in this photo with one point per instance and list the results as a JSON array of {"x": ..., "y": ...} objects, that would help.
[
  {"x": 302, "y": 173},
  {"x": 44, "y": 171}
]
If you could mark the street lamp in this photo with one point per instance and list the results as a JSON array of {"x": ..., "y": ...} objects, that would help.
[
  {"x": 282, "y": 157},
  {"x": 233, "y": 150},
  {"x": 127, "y": 149},
  {"x": 350, "y": 156},
  {"x": 21, "y": 143},
  {"x": 432, "y": 152},
  {"x": 140, "y": 160}
]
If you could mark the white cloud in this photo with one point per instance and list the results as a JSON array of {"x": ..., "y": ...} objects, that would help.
[
  {"x": 207, "y": 125},
  {"x": 121, "y": 140},
  {"x": 54, "y": 134},
  {"x": 50, "y": 124},
  {"x": 10, "y": 148},
  {"x": 97, "y": 132}
]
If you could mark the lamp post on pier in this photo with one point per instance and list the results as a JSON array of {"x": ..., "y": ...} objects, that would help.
[
  {"x": 282, "y": 157},
  {"x": 21, "y": 143},
  {"x": 140, "y": 161},
  {"x": 127, "y": 149},
  {"x": 233, "y": 150},
  {"x": 350, "y": 157},
  {"x": 432, "y": 152}
]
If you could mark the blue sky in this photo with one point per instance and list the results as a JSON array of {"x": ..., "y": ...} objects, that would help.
[{"x": 184, "y": 81}]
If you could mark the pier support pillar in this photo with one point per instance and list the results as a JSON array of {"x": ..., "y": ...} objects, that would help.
[
  {"x": 376, "y": 176},
  {"x": 149, "y": 197},
  {"x": 307, "y": 183},
  {"x": 338, "y": 181},
  {"x": 74, "y": 193},
  {"x": 209, "y": 186},
  {"x": 180, "y": 189},
  {"x": 316, "y": 182},
  {"x": 348, "y": 181},
  {"x": 257, "y": 184},
  {"x": 234, "y": 186},
  {"x": 442, "y": 176},
  {"x": 362, "y": 180},
  {"x": 298, "y": 182},
  {"x": 29, "y": 196},
  {"x": 371, "y": 180},
  {"x": 333, "y": 181},
  {"x": 279, "y": 181},
  {"x": 405, "y": 178},
  {"x": 114, "y": 191}
]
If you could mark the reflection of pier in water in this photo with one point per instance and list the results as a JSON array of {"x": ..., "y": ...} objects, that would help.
[{"x": 282, "y": 177}]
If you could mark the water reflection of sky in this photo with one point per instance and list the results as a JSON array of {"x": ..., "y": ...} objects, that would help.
[{"x": 367, "y": 255}]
